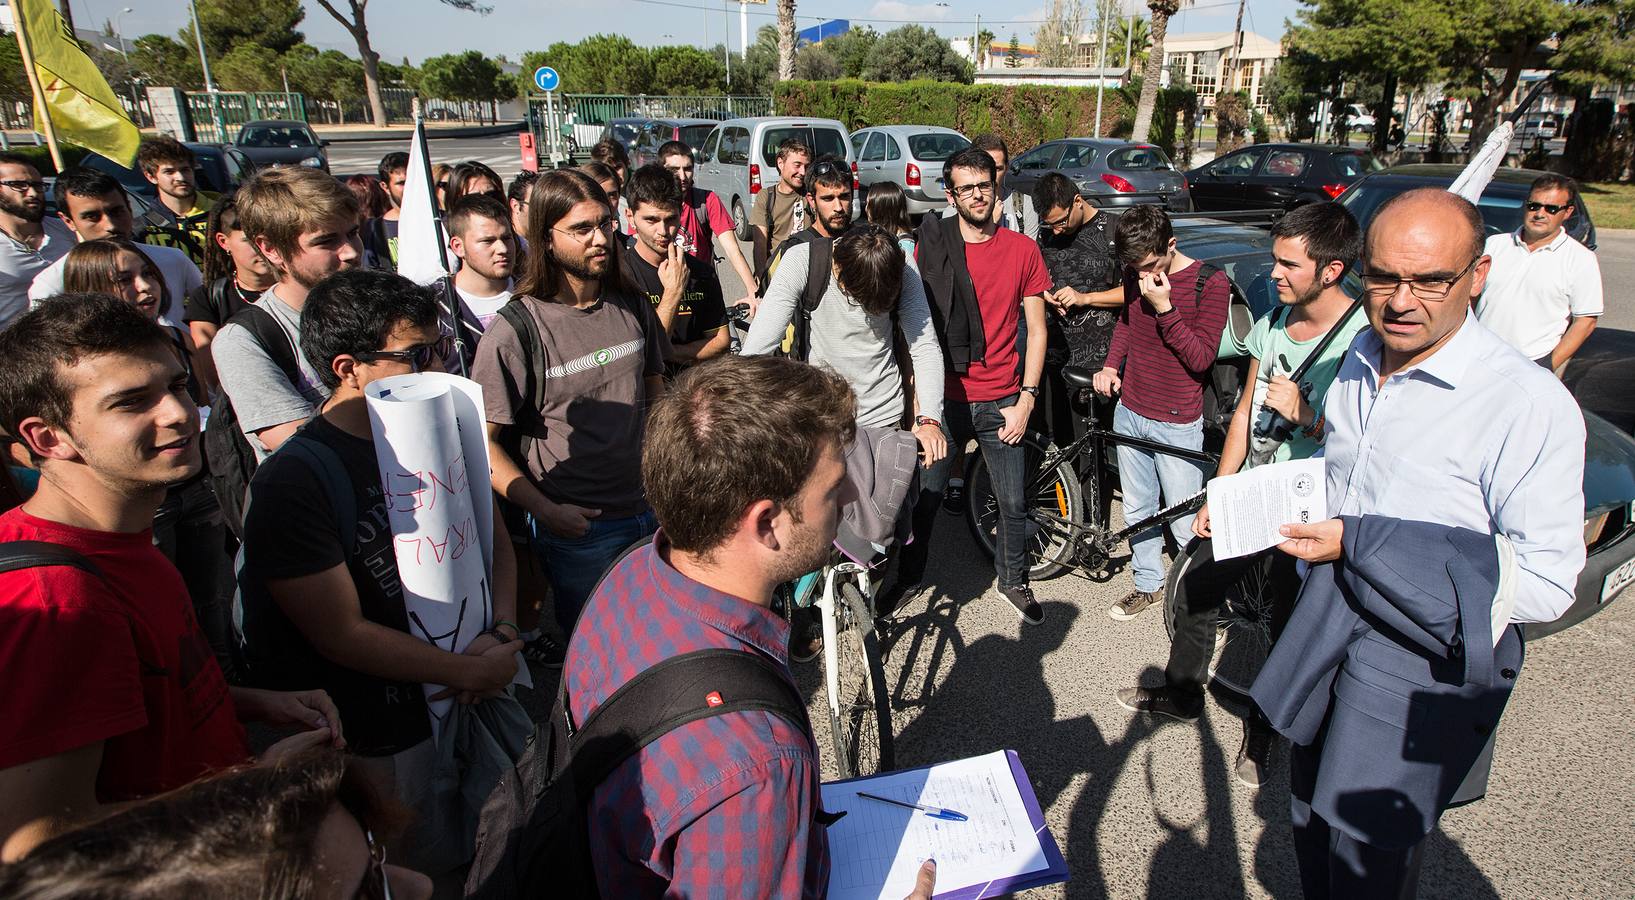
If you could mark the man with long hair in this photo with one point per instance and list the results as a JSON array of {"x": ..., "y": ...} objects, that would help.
[{"x": 567, "y": 370}]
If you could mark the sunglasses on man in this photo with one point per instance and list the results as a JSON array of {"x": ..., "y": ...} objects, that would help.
[
  {"x": 422, "y": 356},
  {"x": 1551, "y": 208}
]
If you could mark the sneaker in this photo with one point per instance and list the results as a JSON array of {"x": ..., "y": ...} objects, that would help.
[
  {"x": 1132, "y": 605},
  {"x": 953, "y": 497},
  {"x": 806, "y": 643},
  {"x": 1161, "y": 702},
  {"x": 1254, "y": 754},
  {"x": 545, "y": 651},
  {"x": 1022, "y": 598}
]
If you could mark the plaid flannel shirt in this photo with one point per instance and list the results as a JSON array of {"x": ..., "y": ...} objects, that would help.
[{"x": 722, "y": 807}]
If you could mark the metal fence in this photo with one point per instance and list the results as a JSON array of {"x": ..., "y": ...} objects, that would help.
[
  {"x": 582, "y": 117},
  {"x": 217, "y": 115}
]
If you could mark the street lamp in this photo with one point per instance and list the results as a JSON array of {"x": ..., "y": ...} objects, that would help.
[{"x": 119, "y": 33}]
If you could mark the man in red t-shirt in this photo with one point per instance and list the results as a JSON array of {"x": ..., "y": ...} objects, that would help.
[
  {"x": 698, "y": 232},
  {"x": 983, "y": 280},
  {"x": 112, "y": 692}
]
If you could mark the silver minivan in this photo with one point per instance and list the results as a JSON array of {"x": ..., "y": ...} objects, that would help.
[
  {"x": 740, "y": 157},
  {"x": 911, "y": 155}
]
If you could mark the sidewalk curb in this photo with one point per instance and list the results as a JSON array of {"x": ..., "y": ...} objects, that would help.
[{"x": 432, "y": 134}]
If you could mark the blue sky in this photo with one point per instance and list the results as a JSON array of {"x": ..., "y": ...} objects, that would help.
[{"x": 421, "y": 28}]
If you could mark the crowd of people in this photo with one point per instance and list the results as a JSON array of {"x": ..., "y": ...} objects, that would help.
[{"x": 197, "y": 536}]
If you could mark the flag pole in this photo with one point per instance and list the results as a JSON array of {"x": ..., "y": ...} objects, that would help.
[
  {"x": 451, "y": 300},
  {"x": 34, "y": 82}
]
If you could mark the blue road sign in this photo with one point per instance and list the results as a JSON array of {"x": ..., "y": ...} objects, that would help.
[{"x": 546, "y": 79}]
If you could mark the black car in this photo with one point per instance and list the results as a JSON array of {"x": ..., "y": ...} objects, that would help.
[
  {"x": 283, "y": 142},
  {"x": 1500, "y": 205},
  {"x": 217, "y": 168},
  {"x": 658, "y": 132},
  {"x": 1278, "y": 176}
]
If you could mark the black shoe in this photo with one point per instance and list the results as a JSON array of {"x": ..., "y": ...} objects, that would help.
[
  {"x": 1254, "y": 754},
  {"x": 1161, "y": 701},
  {"x": 1022, "y": 599},
  {"x": 891, "y": 599},
  {"x": 545, "y": 651},
  {"x": 953, "y": 498}
]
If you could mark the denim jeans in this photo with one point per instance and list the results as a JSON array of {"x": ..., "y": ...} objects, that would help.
[
  {"x": 1143, "y": 476},
  {"x": 574, "y": 565},
  {"x": 1006, "y": 470}
]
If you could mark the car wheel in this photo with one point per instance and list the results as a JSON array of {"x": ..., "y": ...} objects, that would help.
[{"x": 740, "y": 220}]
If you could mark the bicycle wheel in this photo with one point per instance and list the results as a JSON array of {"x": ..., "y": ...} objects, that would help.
[
  {"x": 1250, "y": 606},
  {"x": 861, "y": 731},
  {"x": 1054, "y": 502}
]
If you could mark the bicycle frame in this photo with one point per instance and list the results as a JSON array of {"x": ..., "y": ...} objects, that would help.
[
  {"x": 826, "y": 603},
  {"x": 1093, "y": 443}
]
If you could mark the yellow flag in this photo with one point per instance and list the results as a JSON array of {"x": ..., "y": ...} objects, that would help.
[{"x": 83, "y": 108}]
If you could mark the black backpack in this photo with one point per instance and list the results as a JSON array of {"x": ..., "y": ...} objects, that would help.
[
  {"x": 226, "y": 450},
  {"x": 15, "y": 555},
  {"x": 533, "y": 839}
]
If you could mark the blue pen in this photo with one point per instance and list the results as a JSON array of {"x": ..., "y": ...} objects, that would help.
[{"x": 935, "y": 812}]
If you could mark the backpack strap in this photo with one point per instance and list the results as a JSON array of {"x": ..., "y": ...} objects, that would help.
[
  {"x": 336, "y": 481},
  {"x": 1205, "y": 272},
  {"x": 678, "y": 691},
  {"x": 533, "y": 387},
  {"x": 272, "y": 337},
  {"x": 17, "y": 555},
  {"x": 821, "y": 253}
]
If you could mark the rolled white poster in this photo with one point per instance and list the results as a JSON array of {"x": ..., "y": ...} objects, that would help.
[{"x": 427, "y": 426}]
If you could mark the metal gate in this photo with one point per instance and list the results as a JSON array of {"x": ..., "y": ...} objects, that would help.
[
  {"x": 581, "y": 118},
  {"x": 217, "y": 115}
]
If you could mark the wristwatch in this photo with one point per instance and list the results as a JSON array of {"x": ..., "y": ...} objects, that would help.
[
  {"x": 927, "y": 420},
  {"x": 1034, "y": 390}
]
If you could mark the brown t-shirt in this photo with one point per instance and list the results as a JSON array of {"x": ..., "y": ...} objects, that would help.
[
  {"x": 593, "y": 365},
  {"x": 788, "y": 216}
]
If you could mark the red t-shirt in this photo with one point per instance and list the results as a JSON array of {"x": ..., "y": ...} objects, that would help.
[
  {"x": 698, "y": 237},
  {"x": 1004, "y": 269},
  {"x": 120, "y": 660}
]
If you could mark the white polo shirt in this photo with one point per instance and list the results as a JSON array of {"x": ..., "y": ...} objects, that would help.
[{"x": 1531, "y": 294}]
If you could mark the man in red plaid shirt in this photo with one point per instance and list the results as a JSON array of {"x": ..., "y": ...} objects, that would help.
[{"x": 743, "y": 465}]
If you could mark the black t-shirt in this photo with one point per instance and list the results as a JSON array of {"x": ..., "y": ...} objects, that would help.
[
  {"x": 217, "y": 302},
  {"x": 1085, "y": 262},
  {"x": 701, "y": 311},
  {"x": 291, "y": 531}
]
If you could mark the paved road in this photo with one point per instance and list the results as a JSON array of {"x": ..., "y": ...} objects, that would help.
[
  {"x": 500, "y": 152},
  {"x": 1616, "y": 251}
]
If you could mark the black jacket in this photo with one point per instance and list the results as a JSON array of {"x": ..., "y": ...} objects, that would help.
[{"x": 954, "y": 310}]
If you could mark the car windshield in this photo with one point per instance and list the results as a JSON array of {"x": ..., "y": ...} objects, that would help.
[
  {"x": 935, "y": 147},
  {"x": 1355, "y": 165},
  {"x": 1144, "y": 156},
  {"x": 276, "y": 137},
  {"x": 694, "y": 135}
]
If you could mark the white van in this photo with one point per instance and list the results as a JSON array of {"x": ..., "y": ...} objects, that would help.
[{"x": 740, "y": 157}]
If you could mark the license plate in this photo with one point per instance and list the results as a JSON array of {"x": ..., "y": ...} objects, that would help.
[{"x": 1618, "y": 579}]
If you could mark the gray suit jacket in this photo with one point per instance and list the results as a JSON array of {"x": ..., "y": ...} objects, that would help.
[{"x": 1388, "y": 667}]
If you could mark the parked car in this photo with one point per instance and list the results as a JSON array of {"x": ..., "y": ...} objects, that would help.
[
  {"x": 1243, "y": 252},
  {"x": 1278, "y": 176},
  {"x": 1500, "y": 205},
  {"x": 283, "y": 142},
  {"x": 1541, "y": 127},
  {"x": 1108, "y": 171},
  {"x": 740, "y": 157},
  {"x": 658, "y": 132},
  {"x": 216, "y": 167},
  {"x": 624, "y": 130},
  {"x": 910, "y": 155},
  {"x": 1359, "y": 119}
]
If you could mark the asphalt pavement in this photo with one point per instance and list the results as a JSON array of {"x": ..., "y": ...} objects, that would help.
[{"x": 502, "y": 153}]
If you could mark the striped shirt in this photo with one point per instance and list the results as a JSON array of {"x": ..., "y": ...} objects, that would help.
[{"x": 1166, "y": 359}]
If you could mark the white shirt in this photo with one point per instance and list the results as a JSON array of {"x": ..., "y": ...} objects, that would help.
[
  {"x": 180, "y": 274},
  {"x": 20, "y": 264},
  {"x": 1531, "y": 294},
  {"x": 1477, "y": 436},
  {"x": 482, "y": 309}
]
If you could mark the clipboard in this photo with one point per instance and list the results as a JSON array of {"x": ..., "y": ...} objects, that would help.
[{"x": 868, "y": 854}]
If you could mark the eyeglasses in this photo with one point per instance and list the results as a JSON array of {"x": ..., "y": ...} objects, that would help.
[
  {"x": 583, "y": 232},
  {"x": 375, "y": 884},
  {"x": 23, "y": 187},
  {"x": 1532, "y": 205},
  {"x": 1059, "y": 224},
  {"x": 967, "y": 191},
  {"x": 1423, "y": 288},
  {"x": 422, "y": 356}
]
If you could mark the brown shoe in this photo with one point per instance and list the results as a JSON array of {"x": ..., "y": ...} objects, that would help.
[{"x": 1132, "y": 605}]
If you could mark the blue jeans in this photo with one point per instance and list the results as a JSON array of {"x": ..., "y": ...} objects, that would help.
[
  {"x": 574, "y": 565},
  {"x": 1007, "y": 465},
  {"x": 1142, "y": 476}
]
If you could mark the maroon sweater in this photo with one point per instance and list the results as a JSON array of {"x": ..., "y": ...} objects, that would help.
[{"x": 1166, "y": 359}]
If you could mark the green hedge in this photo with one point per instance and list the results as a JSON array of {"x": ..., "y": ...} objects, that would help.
[
  {"x": 41, "y": 156},
  {"x": 1024, "y": 115}
]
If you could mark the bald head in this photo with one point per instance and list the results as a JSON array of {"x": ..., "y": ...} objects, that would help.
[
  {"x": 1423, "y": 262},
  {"x": 1449, "y": 208}
]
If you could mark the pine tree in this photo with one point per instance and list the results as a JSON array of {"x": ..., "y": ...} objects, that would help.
[{"x": 1013, "y": 56}]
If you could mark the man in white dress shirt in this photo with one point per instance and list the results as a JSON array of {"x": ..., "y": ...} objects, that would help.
[
  {"x": 1433, "y": 418},
  {"x": 1543, "y": 292}
]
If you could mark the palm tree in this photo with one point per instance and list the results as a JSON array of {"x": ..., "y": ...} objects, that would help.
[
  {"x": 1161, "y": 11},
  {"x": 786, "y": 39},
  {"x": 1135, "y": 35}
]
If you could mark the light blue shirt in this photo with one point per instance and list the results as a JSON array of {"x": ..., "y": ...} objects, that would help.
[{"x": 1477, "y": 436}]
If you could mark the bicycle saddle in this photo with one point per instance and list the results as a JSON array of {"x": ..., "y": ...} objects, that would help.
[{"x": 1078, "y": 376}]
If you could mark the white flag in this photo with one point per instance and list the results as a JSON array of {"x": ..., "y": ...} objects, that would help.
[{"x": 419, "y": 231}]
